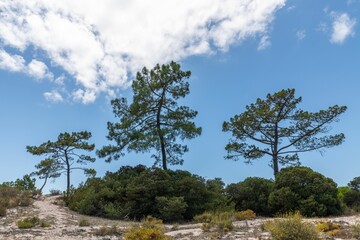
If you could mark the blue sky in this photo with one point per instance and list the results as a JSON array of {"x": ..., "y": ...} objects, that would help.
[{"x": 61, "y": 62}]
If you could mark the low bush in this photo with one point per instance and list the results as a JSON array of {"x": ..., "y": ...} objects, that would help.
[
  {"x": 245, "y": 215},
  {"x": 216, "y": 221},
  {"x": 355, "y": 230},
  {"x": 291, "y": 227},
  {"x": 31, "y": 222},
  {"x": 84, "y": 223},
  {"x": 327, "y": 226},
  {"x": 105, "y": 231},
  {"x": 44, "y": 224},
  {"x": 11, "y": 197},
  {"x": 150, "y": 229},
  {"x": 28, "y": 222}
]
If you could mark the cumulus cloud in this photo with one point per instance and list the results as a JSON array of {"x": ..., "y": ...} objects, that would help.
[
  {"x": 53, "y": 96},
  {"x": 342, "y": 28},
  {"x": 100, "y": 43},
  {"x": 38, "y": 70},
  {"x": 14, "y": 63}
]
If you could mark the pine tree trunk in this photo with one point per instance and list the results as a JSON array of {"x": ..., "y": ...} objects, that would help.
[
  {"x": 46, "y": 178},
  {"x": 160, "y": 134},
  {"x": 275, "y": 165},
  {"x": 67, "y": 175}
]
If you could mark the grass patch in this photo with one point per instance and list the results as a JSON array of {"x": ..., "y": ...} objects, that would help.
[
  {"x": 106, "y": 231},
  {"x": 31, "y": 222},
  {"x": 220, "y": 221},
  {"x": 84, "y": 222},
  {"x": 355, "y": 230},
  {"x": 28, "y": 222}
]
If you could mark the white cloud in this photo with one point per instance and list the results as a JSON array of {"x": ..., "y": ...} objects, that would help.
[
  {"x": 53, "y": 96},
  {"x": 99, "y": 43},
  {"x": 84, "y": 96},
  {"x": 300, "y": 35},
  {"x": 264, "y": 43},
  {"x": 342, "y": 28},
  {"x": 14, "y": 63},
  {"x": 38, "y": 70}
]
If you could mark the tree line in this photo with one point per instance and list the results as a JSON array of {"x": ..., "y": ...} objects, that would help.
[{"x": 275, "y": 127}]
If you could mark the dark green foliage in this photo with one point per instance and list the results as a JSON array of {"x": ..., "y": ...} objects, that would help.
[
  {"x": 136, "y": 192},
  {"x": 25, "y": 184},
  {"x": 352, "y": 199},
  {"x": 252, "y": 193},
  {"x": 278, "y": 128},
  {"x": 153, "y": 120},
  {"x": 302, "y": 189},
  {"x": 171, "y": 208},
  {"x": 355, "y": 184},
  {"x": 63, "y": 156}
]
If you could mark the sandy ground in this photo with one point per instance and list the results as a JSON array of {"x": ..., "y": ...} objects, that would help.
[{"x": 65, "y": 225}]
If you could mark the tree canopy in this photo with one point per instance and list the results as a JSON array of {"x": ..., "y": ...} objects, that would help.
[
  {"x": 63, "y": 154},
  {"x": 276, "y": 127},
  {"x": 153, "y": 120}
]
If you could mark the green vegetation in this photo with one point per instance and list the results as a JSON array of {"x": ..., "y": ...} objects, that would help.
[
  {"x": 84, "y": 222},
  {"x": 301, "y": 189},
  {"x": 150, "y": 228},
  {"x": 245, "y": 215},
  {"x": 351, "y": 196},
  {"x": 11, "y": 196},
  {"x": 31, "y": 222},
  {"x": 105, "y": 231},
  {"x": 25, "y": 184},
  {"x": 252, "y": 193},
  {"x": 216, "y": 221},
  {"x": 291, "y": 227},
  {"x": 136, "y": 192},
  {"x": 278, "y": 128},
  {"x": 153, "y": 120},
  {"x": 355, "y": 230}
]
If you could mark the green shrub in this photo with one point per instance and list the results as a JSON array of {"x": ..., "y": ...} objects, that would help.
[
  {"x": 219, "y": 221},
  {"x": 44, "y": 224},
  {"x": 252, "y": 193},
  {"x": 355, "y": 230},
  {"x": 171, "y": 208},
  {"x": 150, "y": 229},
  {"x": 302, "y": 189},
  {"x": 105, "y": 231},
  {"x": 135, "y": 192},
  {"x": 28, "y": 222},
  {"x": 84, "y": 222},
  {"x": 11, "y": 196},
  {"x": 352, "y": 199},
  {"x": 142, "y": 233},
  {"x": 291, "y": 228},
  {"x": 245, "y": 215},
  {"x": 327, "y": 226}
]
